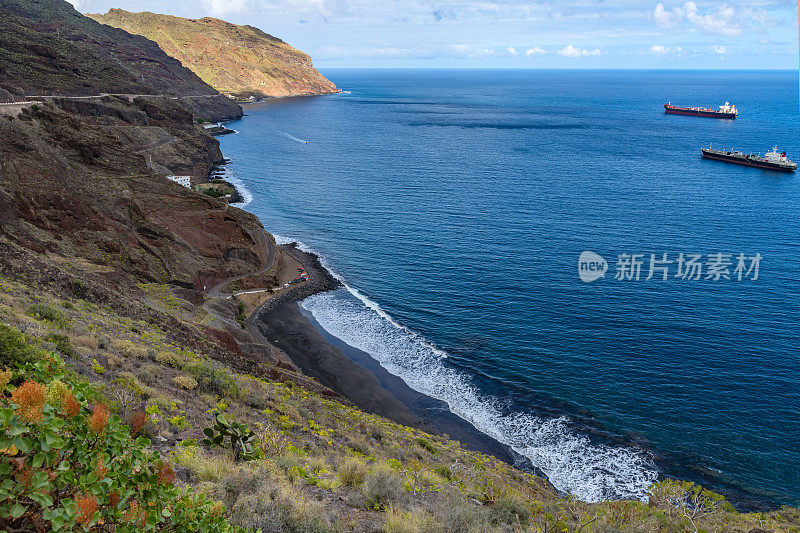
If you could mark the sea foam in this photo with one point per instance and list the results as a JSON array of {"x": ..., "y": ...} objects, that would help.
[
  {"x": 247, "y": 196},
  {"x": 591, "y": 472}
]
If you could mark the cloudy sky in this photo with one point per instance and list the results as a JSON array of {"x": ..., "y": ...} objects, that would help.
[{"x": 512, "y": 33}]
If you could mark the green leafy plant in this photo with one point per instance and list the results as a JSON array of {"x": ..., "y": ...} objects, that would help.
[
  {"x": 68, "y": 464},
  {"x": 242, "y": 439}
]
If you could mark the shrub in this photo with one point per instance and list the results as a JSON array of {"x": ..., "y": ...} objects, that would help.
[
  {"x": 64, "y": 477},
  {"x": 62, "y": 343},
  {"x": 170, "y": 359},
  {"x": 48, "y": 314},
  {"x": 15, "y": 349},
  {"x": 125, "y": 393},
  {"x": 185, "y": 382},
  {"x": 205, "y": 466},
  {"x": 149, "y": 374},
  {"x": 212, "y": 380},
  {"x": 508, "y": 509},
  {"x": 405, "y": 522},
  {"x": 352, "y": 472},
  {"x": 130, "y": 349},
  {"x": 179, "y": 422},
  {"x": 276, "y": 510},
  {"x": 381, "y": 488}
]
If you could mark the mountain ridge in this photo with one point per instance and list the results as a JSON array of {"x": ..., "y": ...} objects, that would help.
[{"x": 238, "y": 60}]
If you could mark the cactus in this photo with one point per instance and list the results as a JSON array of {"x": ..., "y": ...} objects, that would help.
[{"x": 241, "y": 437}]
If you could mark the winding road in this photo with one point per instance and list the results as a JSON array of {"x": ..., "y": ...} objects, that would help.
[{"x": 216, "y": 293}]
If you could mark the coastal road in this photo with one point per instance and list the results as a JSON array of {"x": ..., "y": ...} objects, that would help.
[
  {"x": 130, "y": 97},
  {"x": 215, "y": 292}
]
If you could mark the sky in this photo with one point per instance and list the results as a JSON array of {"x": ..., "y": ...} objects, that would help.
[{"x": 511, "y": 33}]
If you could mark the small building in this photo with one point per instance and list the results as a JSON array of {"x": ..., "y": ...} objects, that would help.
[{"x": 186, "y": 181}]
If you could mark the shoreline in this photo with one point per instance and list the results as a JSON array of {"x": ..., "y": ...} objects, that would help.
[
  {"x": 397, "y": 401},
  {"x": 375, "y": 390},
  {"x": 354, "y": 374}
]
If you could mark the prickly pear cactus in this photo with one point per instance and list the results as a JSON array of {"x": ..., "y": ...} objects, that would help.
[{"x": 242, "y": 439}]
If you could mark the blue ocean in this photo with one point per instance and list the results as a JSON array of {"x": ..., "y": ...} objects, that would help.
[{"x": 455, "y": 205}]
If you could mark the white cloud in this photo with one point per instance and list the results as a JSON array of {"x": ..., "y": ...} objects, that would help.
[
  {"x": 77, "y": 4},
  {"x": 535, "y": 51},
  {"x": 511, "y": 50},
  {"x": 658, "y": 49},
  {"x": 572, "y": 51},
  {"x": 720, "y": 49},
  {"x": 726, "y": 20},
  {"x": 219, "y": 8},
  {"x": 467, "y": 50}
]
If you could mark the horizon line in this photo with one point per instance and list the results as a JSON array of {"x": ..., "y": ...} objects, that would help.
[{"x": 569, "y": 68}]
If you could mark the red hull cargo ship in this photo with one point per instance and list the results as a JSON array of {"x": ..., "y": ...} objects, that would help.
[{"x": 725, "y": 111}]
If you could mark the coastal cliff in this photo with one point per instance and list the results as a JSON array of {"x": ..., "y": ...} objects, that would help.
[
  {"x": 128, "y": 336},
  {"x": 47, "y": 48},
  {"x": 238, "y": 60}
]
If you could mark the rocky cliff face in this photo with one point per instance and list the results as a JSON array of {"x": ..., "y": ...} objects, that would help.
[
  {"x": 48, "y": 48},
  {"x": 239, "y": 60},
  {"x": 76, "y": 182}
]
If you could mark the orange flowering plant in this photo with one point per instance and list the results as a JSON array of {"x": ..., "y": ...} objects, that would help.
[{"x": 67, "y": 463}]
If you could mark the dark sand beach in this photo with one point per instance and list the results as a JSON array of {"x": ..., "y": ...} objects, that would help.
[{"x": 353, "y": 374}]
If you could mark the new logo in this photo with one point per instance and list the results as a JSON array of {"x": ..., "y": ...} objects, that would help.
[{"x": 591, "y": 266}]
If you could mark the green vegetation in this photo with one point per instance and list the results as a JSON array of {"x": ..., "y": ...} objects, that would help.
[
  {"x": 15, "y": 350},
  {"x": 214, "y": 192},
  {"x": 311, "y": 463},
  {"x": 68, "y": 463},
  {"x": 242, "y": 439}
]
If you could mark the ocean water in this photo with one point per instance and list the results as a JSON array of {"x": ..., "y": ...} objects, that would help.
[{"x": 455, "y": 206}]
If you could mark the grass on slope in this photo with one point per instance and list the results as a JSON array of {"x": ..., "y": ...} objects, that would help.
[{"x": 322, "y": 465}]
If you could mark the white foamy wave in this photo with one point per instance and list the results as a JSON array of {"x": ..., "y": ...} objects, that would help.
[
  {"x": 592, "y": 472},
  {"x": 303, "y": 247},
  {"x": 247, "y": 196}
]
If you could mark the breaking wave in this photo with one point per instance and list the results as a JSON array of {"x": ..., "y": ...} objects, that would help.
[
  {"x": 239, "y": 185},
  {"x": 590, "y": 471}
]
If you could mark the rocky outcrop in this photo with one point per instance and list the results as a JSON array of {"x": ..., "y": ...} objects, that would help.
[
  {"x": 75, "y": 182},
  {"x": 238, "y": 60}
]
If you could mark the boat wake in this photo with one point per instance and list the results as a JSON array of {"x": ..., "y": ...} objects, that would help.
[
  {"x": 292, "y": 137},
  {"x": 590, "y": 471}
]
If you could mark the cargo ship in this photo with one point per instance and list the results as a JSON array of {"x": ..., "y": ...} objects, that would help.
[
  {"x": 772, "y": 160},
  {"x": 725, "y": 111}
]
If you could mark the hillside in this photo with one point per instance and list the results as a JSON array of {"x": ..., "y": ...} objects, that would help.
[
  {"x": 48, "y": 48},
  {"x": 238, "y": 60},
  {"x": 121, "y": 341}
]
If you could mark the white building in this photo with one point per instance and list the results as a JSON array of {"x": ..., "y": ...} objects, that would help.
[{"x": 186, "y": 181}]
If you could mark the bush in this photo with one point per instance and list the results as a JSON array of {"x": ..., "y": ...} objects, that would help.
[
  {"x": 48, "y": 314},
  {"x": 130, "y": 349},
  {"x": 205, "y": 466},
  {"x": 170, "y": 359},
  {"x": 149, "y": 374},
  {"x": 509, "y": 510},
  {"x": 62, "y": 343},
  {"x": 352, "y": 472},
  {"x": 15, "y": 349},
  {"x": 185, "y": 382},
  {"x": 408, "y": 522},
  {"x": 70, "y": 471},
  {"x": 273, "y": 510},
  {"x": 381, "y": 488},
  {"x": 212, "y": 380}
]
